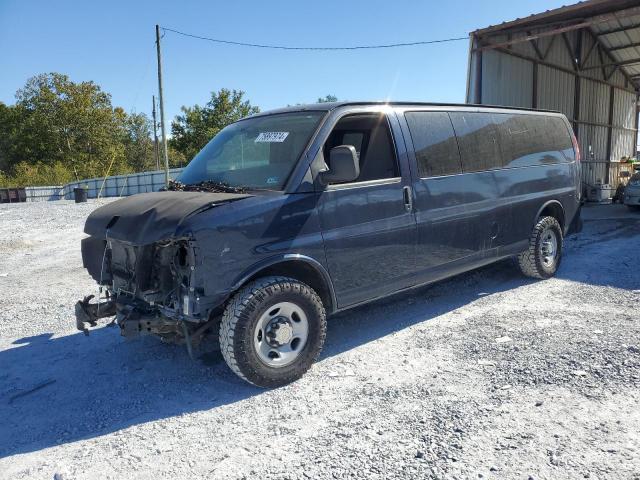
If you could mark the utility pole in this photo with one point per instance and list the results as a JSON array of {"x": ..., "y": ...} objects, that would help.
[
  {"x": 162, "y": 117},
  {"x": 156, "y": 146}
]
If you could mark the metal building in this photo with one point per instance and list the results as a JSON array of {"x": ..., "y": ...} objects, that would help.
[{"x": 583, "y": 60}]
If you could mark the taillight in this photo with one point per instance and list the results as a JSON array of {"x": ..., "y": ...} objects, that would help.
[{"x": 576, "y": 147}]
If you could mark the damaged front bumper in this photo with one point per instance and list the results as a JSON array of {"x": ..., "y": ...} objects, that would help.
[
  {"x": 90, "y": 313},
  {"x": 135, "y": 319},
  {"x": 132, "y": 319}
]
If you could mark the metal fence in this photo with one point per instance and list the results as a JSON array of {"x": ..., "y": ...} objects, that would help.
[
  {"x": 116, "y": 186},
  {"x": 121, "y": 185},
  {"x": 44, "y": 194}
]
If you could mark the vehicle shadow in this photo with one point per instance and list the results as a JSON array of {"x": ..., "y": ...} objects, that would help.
[{"x": 97, "y": 384}]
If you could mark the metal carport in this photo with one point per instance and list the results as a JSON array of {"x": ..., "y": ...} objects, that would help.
[{"x": 583, "y": 60}]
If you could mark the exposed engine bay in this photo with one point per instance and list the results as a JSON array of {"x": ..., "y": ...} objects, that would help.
[
  {"x": 147, "y": 272},
  {"x": 150, "y": 288}
]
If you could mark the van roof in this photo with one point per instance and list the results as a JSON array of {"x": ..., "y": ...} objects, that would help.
[{"x": 328, "y": 106}]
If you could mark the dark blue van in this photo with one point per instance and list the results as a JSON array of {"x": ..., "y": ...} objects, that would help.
[{"x": 290, "y": 215}]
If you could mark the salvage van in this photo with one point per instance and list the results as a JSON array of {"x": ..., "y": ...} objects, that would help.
[{"x": 291, "y": 215}]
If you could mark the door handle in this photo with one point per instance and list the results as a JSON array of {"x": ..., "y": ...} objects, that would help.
[{"x": 408, "y": 198}]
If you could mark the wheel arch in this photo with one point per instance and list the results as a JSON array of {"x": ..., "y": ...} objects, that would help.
[
  {"x": 552, "y": 208},
  {"x": 297, "y": 266}
]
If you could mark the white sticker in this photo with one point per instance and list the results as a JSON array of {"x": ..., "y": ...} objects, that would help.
[{"x": 272, "y": 137}]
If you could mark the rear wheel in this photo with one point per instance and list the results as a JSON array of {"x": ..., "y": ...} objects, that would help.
[
  {"x": 542, "y": 258},
  {"x": 272, "y": 331}
]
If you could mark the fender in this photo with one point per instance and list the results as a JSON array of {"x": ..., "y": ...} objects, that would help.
[
  {"x": 545, "y": 205},
  {"x": 285, "y": 258}
]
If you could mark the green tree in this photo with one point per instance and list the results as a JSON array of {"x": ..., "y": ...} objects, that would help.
[
  {"x": 197, "y": 125},
  {"x": 138, "y": 143},
  {"x": 72, "y": 123},
  {"x": 327, "y": 99},
  {"x": 9, "y": 126}
]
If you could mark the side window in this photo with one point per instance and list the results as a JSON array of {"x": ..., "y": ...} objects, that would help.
[
  {"x": 370, "y": 136},
  {"x": 356, "y": 139},
  {"x": 529, "y": 140},
  {"x": 478, "y": 140},
  {"x": 434, "y": 142}
]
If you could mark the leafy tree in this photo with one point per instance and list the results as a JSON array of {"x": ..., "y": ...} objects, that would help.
[
  {"x": 59, "y": 131},
  {"x": 327, "y": 99},
  {"x": 73, "y": 123},
  {"x": 138, "y": 143},
  {"x": 9, "y": 125},
  {"x": 197, "y": 125}
]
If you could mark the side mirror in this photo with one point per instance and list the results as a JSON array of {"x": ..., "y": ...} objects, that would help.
[{"x": 344, "y": 165}]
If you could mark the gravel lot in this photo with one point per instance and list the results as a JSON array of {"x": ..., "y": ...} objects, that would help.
[{"x": 488, "y": 375}]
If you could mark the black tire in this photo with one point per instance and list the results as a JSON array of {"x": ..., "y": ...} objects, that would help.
[
  {"x": 241, "y": 316},
  {"x": 533, "y": 263}
]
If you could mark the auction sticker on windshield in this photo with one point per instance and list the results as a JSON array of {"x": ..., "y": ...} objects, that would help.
[{"x": 272, "y": 137}]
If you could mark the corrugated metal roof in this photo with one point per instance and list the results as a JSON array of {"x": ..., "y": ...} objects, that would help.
[
  {"x": 577, "y": 11},
  {"x": 615, "y": 25},
  {"x": 623, "y": 43}
]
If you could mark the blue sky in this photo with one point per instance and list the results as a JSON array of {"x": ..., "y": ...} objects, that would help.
[{"x": 112, "y": 43}]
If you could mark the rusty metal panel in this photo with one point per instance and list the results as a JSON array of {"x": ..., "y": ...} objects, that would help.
[
  {"x": 594, "y": 102},
  {"x": 506, "y": 80},
  {"x": 556, "y": 90}
]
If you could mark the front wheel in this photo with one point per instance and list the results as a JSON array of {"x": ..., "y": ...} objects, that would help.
[
  {"x": 542, "y": 258},
  {"x": 272, "y": 331}
]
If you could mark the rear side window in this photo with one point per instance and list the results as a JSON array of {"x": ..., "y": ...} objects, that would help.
[
  {"x": 434, "y": 143},
  {"x": 478, "y": 140},
  {"x": 529, "y": 140}
]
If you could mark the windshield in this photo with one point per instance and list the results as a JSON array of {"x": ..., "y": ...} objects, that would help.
[{"x": 257, "y": 152}]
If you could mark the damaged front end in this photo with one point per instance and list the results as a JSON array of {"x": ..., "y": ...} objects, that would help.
[
  {"x": 146, "y": 267},
  {"x": 149, "y": 289}
]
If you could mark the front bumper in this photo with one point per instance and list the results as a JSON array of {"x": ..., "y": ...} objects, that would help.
[{"x": 132, "y": 316}]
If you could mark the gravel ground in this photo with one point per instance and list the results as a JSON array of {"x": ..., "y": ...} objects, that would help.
[{"x": 487, "y": 375}]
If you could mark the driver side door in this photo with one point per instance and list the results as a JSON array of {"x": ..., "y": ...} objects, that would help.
[{"x": 368, "y": 225}]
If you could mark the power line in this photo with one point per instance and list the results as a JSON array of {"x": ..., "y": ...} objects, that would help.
[{"x": 289, "y": 47}]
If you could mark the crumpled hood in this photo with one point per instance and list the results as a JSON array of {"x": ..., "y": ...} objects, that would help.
[{"x": 148, "y": 217}]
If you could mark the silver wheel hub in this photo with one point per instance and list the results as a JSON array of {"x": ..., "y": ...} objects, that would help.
[
  {"x": 281, "y": 334},
  {"x": 549, "y": 247}
]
